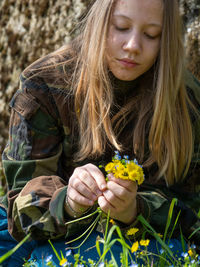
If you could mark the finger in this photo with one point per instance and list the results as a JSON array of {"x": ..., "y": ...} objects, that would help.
[
  {"x": 78, "y": 198},
  {"x": 97, "y": 175},
  {"x": 113, "y": 199},
  {"x": 118, "y": 190},
  {"x": 105, "y": 205},
  {"x": 86, "y": 178},
  {"x": 80, "y": 187},
  {"x": 128, "y": 184},
  {"x": 121, "y": 192}
]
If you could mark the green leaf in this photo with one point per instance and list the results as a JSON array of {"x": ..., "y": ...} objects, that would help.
[
  {"x": 98, "y": 248},
  {"x": 198, "y": 229},
  {"x": 110, "y": 233},
  {"x": 169, "y": 218},
  {"x": 54, "y": 250},
  {"x": 182, "y": 240},
  {"x": 175, "y": 223},
  {"x": 154, "y": 233},
  {"x": 10, "y": 252}
]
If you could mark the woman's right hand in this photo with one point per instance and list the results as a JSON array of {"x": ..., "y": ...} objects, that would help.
[{"x": 85, "y": 186}]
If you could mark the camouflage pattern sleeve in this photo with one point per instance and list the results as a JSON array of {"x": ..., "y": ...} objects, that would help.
[
  {"x": 38, "y": 209},
  {"x": 35, "y": 176}
]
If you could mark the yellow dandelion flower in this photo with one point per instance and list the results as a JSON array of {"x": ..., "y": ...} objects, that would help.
[
  {"x": 190, "y": 252},
  {"x": 144, "y": 243},
  {"x": 119, "y": 167},
  {"x": 132, "y": 175},
  {"x": 134, "y": 247},
  {"x": 131, "y": 167},
  {"x": 112, "y": 221},
  {"x": 140, "y": 179},
  {"x": 132, "y": 231},
  {"x": 121, "y": 174},
  {"x": 110, "y": 167},
  {"x": 63, "y": 261},
  {"x": 125, "y": 169}
]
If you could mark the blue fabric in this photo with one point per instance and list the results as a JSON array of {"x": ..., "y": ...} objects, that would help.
[
  {"x": 7, "y": 243},
  {"x": 41, "y": 253}
]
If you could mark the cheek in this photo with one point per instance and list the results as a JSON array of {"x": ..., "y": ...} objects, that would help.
[
  {"x": 113, "y": 42},
  {"x": 110, "y": 45},
  {"x": 152, "y": 52}
]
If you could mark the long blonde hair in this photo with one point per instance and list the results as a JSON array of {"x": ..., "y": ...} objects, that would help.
[
  {"x": 170, "y": 130},
  {"x": 162, "y": 109}
]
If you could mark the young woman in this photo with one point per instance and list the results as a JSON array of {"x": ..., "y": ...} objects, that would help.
[{"x": 120, "y": 85}]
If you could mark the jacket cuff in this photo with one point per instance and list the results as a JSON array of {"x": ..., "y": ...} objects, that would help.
[{"x": 56, "y": 205}]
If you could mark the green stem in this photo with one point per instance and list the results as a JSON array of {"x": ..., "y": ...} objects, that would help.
[
  {"x": 84, "y": 232},
  {"x": 160, "y": 257},
  {"x": 93, "y": 225},
  {"x": 84, "y": 217},
  {"x": 106, "y": 233},
  {"x": 10, "y": 252},
  {"x": 56, "y": 253}
]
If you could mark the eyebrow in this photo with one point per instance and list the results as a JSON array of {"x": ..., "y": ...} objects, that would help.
[{"x": 149, "y": 24}]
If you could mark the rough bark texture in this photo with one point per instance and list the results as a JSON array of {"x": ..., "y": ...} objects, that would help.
[{"x": 32, "y": 28}]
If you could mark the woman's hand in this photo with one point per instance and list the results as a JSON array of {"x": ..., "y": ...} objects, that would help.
[
  {"x": 120, "y": 199},
  {"x": 85, "y": 186}
]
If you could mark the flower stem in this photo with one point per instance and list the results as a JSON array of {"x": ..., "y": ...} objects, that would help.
[
  {"x": 84, "y": 217},
  {"x": 92, "y": 228}
]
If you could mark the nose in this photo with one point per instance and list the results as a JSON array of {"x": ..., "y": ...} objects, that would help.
[{"x": 132, "y": 43}]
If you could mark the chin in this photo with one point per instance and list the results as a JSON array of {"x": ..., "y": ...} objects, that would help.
[{"x": 126, "y": 78}]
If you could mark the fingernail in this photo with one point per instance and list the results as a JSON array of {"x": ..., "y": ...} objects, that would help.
[{"x": 103, "y": 187}]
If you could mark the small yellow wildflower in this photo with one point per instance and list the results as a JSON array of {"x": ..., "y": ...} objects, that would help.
[
  {"x": 110, "y": 167},
  {"x": 190, "y": 252},
  {"x": 133, "y": 175},
  {"x": 63, "y": 261},
  {"x": 125, "y": 169},
  {"x": 119, "y": 167},
  {"x": 121, "y": 174},
  {"x": 112, "y": 221},
  {"x": 140, "y": 179},
  {"x": 132, "y": 231},
  {"x": 134, "y": 247},
  {"x": 144, "y": 243}
]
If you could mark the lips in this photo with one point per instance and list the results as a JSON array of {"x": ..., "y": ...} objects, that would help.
[{"x": 126, "y": 62}]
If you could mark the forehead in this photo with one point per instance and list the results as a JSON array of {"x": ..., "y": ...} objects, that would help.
[{"x": 144, "y": 10}]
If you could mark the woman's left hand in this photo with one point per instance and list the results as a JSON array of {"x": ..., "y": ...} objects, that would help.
[{"x": 120, "y": 199}]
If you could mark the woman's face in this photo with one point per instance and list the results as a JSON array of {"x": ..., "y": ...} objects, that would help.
[{"x": 134, "y": 37}]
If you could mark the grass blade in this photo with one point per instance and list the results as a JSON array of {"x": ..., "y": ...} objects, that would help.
[
  {"x": 55, "y": 251},
  {"x": 10, "y": 252},
  {"x": 169, "y": 218},
  {"x": 154, "y": 233}
]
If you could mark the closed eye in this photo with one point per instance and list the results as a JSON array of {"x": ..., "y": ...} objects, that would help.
[
  {"x": 121, "y": 29},
  {"x": 150, "y": 36}
]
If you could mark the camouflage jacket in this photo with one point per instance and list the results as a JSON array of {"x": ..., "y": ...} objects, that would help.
[{"x": 38, "y": 162}]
